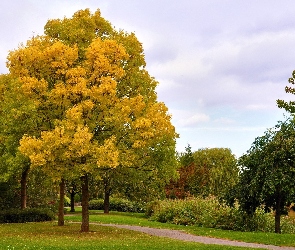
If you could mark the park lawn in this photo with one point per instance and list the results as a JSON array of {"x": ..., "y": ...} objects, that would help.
[
  {"x": 140, "y": 220},
  {"x": 48, "y": 235}
]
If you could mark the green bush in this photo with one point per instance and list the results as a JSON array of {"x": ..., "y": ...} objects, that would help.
[
  {"x": 287, "y": 225},
  {"x": 209, "y": 212},
  {"x": 96, "y": 204},
  {"x": 197, "y": 211},
  {"x": 77, "y": 198},
  {"x": 26, "y": 215},
  {"x": 10, "y": 194},
  {"x": 117, "y": 204}
]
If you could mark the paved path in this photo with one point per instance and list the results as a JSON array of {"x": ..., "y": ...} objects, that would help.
[{"x": 179, "y": 235}]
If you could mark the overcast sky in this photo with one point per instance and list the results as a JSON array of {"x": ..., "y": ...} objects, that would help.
[{"x": 221, "y": 64}]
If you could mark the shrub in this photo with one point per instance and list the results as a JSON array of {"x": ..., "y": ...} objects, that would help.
[
  {"x": 96, "y": 204},
  {"x": 117, "y": 204},
  {"x": 287, "y": 225},
  {"x": 77, "y": 198},
  {"x": 10, "y": 194},
  {"x": 26, "y": 215},
  {"x": 209, "y": 212}
]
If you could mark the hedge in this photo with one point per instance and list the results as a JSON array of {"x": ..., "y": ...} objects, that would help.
[
  {"x": 117, "y": 204},
  {"x": 26, "y": 215}
]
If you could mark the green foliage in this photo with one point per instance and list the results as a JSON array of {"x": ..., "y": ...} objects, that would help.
[
  {"x": 26, "y": 215},
  {"x": 209, "y": 171},
  {"x": 288, "y": 106},
  {"x": 42, "y": 192},
  {"x": 77, "y": 198},
  {"x": 209, "y": 212},
  {"x": 9, "y": 195},
  {"x": 216, "y": 171},
  {"x": 186, "y": 158},
  {"x": 117, "y": 204},
  {"x": 267, "y": 175}
]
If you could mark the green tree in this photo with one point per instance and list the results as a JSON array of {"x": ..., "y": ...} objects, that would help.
[
  {"x": 267, "y": 176},
  {"x": 209, "y": 171},
  {"x": 145, "y": 180},
  {"x": 96, "y": 103},
  {"x": 216, "y": 172},
  {"x": 17, "y": 117},
  {"x": 186, "y": 158},
  {"x": 288, "y": 106}
]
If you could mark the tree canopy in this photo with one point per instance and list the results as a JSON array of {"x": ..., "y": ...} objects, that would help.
[
  {"x": 267, "y": 176},
  {"x": 95, "y": 104},
  {"x": 208, "y": 171}
]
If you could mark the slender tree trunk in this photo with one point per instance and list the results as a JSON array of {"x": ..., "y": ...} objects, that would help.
[
  {"x": 106, "y": 203},
  {"x": 62, "y": 187},
  {"x": 278, "y": 214},
  {"x": 23, "y": 191},
  {"x": 73, "y": 200},
  {"x": 85, "y": 203}
]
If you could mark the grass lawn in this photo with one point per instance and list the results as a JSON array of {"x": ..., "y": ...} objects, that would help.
[
  {"x": 139, "y": 219},
  {"x": 48, "y": 235}
]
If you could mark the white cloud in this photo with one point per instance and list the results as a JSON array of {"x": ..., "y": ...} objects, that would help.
[
  {"x": 221, "y": 64},
  {"x": 224, "y": 120},
  {"x": 193, "y": 120}
]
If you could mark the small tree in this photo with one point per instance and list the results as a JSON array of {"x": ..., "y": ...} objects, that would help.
[{"x": 268, "y": 172}]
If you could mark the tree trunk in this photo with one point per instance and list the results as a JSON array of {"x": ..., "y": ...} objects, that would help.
[
  {"x": 62, "y": 187},
  {"x": 85, "y": 203},
  {"x": 73, "y": 200},
  {"x": 106, "y": 203},
  {"x": 278, "y": 214},
  {"x": 23, "y": 191}
]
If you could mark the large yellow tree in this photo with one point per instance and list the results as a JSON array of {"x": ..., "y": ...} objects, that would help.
[{"x": 96, "y": 104}]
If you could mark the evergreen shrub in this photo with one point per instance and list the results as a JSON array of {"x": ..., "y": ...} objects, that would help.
[{"x": 26, "y": 215}]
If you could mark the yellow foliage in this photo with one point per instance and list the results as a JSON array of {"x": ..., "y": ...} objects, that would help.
[
  {"x": 99, "y": 104},
  {"x": 33, "y": 87},
  {"x": 42, "y": 58},
  {"x": 107, "y": 155},
  {"x": 142, "y": 123},
  {"x": 32, "y": 148},
  {"x": 138, "y": 144},
  {"x": 80, "y": 144},
  {"x": 75, "y": 75},
  {"x": 105, "y": 58}
]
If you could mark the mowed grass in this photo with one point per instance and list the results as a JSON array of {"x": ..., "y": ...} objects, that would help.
[
  {"x": 141, "y": 220},
  {"x": 50, "y": 236}
]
